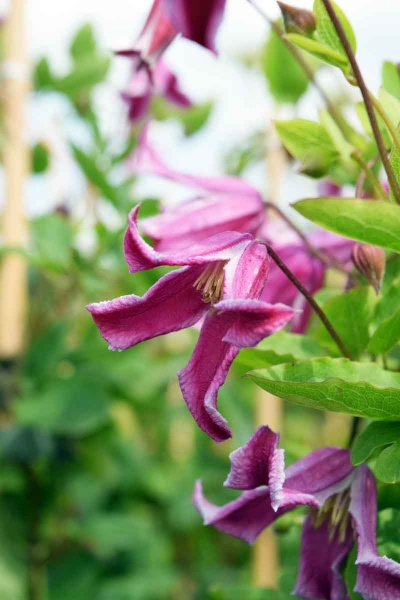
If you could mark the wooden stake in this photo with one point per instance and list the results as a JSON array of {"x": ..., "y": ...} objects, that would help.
[
  {"x": 13, "y": 268},
  {"x": 269, "y": 408}
]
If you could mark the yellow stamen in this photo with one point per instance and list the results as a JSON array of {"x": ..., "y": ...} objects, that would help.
[{"x": 211, "y": 282}]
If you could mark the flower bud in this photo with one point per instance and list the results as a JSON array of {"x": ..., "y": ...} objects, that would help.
[
  {"x": 297, "y": 20},
  {"x": 370, "y": 262}
]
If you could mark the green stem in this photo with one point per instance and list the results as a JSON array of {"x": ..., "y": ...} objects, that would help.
[
  {"x": 374, "y": 181},
  {"x": 386, "y": 119},
  {"x": 366, "y": 97},
  {"x": 355, "y": 424}
]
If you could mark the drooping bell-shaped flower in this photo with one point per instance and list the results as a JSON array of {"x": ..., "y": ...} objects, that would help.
[
  {"x": 343, "y": 507},
  {"x": 220, "y": 204},
  {"x": 220, "y": 283}
]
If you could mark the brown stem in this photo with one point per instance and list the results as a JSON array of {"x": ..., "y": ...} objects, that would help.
[
  {"x": 366, "y": 97},
  {"x": 368, "y": 172},
  {"x": 305, "y": 66},
  {"x": 314, "y": 305}
]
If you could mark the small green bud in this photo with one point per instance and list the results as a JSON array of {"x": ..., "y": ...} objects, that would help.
[{"x": 297, "y": 20}]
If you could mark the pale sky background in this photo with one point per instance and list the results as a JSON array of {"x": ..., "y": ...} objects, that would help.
[{"x": 242, "y": 103}]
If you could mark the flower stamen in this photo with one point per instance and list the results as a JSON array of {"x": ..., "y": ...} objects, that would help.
[{"x": 211, "y": 282}]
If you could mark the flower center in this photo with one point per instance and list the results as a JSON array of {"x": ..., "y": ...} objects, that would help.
[
  {"x": 336, "y": 510},
  {"x": 211, "y": 282}
]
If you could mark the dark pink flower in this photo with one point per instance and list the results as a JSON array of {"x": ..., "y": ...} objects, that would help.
[
  {"x": 221, "y": 204},
  {"x": 220, "y": 283},
  {"x": 343, "y": 506}
]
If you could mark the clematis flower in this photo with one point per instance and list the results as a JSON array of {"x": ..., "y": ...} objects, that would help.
[
  {"x": 343, "y": 506},
  {"x": 222, "y": 204},
  {"x": 221, "y": 281},
  {"x": 145, "y": 84}
]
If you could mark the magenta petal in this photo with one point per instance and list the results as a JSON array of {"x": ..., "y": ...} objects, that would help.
[
  {"x": 206, "y": 371},
  {"x": 253, "y": 320},
  {"x": 247, "y": 277},
  {"x": 146, "y": 161},
  {"x": 196, "y": 20},
  {"x": 166, "y": 84},
  {"x": 157, "y": 33},
  {"x": 170, "y": 305},
  {"x": 244, "y": 518},
  {"x": 247, "y": 516},
  {"x": 322, "y": 473},
  {"x": 320, "y": 561},
  {"x": 141, "y": 256},
  {"x": 258, "y": 462},
  {"x": 378, "y": 577},
  {"x": 196, "y": 220}
]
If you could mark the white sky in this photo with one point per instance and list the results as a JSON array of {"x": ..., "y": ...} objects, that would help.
[{"x": 242, "y": 103}]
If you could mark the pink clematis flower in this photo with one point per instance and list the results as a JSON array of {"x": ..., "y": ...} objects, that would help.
[
  {"x": 220, "y": 283},
  {"x": 222, "y": 204},
  {"x": 343, "y": 506}
]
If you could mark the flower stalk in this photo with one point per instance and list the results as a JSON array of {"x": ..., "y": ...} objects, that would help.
[
  {"x": 366, "y": 97},
  {"x": 318, "y": 310}
]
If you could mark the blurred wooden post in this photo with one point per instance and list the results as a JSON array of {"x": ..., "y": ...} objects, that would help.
[
  {"x": 13, "y": 267},
  {"x": 269, "y": 408}
]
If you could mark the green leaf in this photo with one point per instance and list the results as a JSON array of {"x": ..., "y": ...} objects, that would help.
[
  {"x": 395, "y": 162},
  {"x": 319, "y": 50},
  {"x": 350, "y": 314},
  {"x": 278, "y": 59},
  {"x": 386, "y": 336},
  {"x": 42, "y": 76},
  {"x": 326, "y": 30},
  {"x": 376, "y": 435},
  {"x": 83, "y": 43},
  {"x": 239, "y": 593},
  {"x": 370, "y": 221},
  {"x": 387, "y": 467},
  {"x": 391, "y": 105},
  {"x": 336, "y": 384},
  {"x": 388, "y": 531},
  {"x": 193, "y": 118},
  {"x": 87, "y": 73},
  {"x": 90, "y": 166},
  {"x": 350, "y": 574},
  {"x": 53, "y": 241},
  {"x": 71, "y": 407},
  {"x": 391, "y": 78},
  {"x": 279, "y": 348},
  {"x": 310, "y": 143},
  {"x": 40, "y": 158}
]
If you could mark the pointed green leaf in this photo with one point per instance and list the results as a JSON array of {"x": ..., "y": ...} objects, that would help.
[
  {"x": 83, "y": 43},
  {"x": 336, "y": 384},
  {"x": 310, "y": 143},
  {"x": 376, "y": 435},
  {"x": 278, "y": 60},
  {"x": 326, "y": 30},
  {"x": 386, "y": 336},
  {"x": 280, "y": 348},
  {"x": 350, "y": 314},
  {"x": 387, "y": 467},
  {"x": 391, "y": 78},
  {"x": 319, "y": 50},
  {"x": 370, "y": 221}
]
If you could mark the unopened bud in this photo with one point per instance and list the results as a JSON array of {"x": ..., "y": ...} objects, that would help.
[
  {"x": 371, "y": 262},
  {"x": 297, "y": 20}
]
